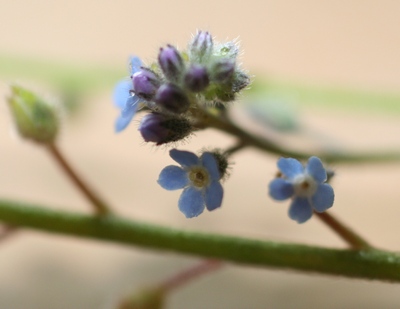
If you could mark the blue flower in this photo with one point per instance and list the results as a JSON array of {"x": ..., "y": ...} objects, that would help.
[
  {"x": 124, "y": 99},
  {"x": 199, "y": 177},
  {"x": 304, "y": 185}
]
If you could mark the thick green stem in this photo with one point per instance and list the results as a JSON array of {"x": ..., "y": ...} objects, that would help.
[{"x": 369, "y": 264}]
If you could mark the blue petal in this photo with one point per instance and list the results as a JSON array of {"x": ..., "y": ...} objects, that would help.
[
  {"x": 213, "y": 196},
  {"x": 173, "y": 178},
  {"x": 210, "y": 163},
  {"x": 131, "y": 106},
  {"x": 323, "y": 197},
  {"x": 290, "y": 167},
  {"x": 184, "y": 158},
  {"x": 126, "y": 115},
  {"x": 300, "y": 210},
  {"x": 135, "y": 64},
  {"x": 122, "y": 122},
  {"x": 121, "y": 93},
  {"x": 316, "y": 169},
  {"x": 191, "y": 202},
  {"x": 280, "y": 189}
]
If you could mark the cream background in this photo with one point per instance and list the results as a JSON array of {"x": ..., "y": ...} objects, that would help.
[{"x": 355, "y": 43}]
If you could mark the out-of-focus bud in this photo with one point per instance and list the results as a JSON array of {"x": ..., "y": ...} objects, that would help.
[
  {"x": 171, "y": 98},
  {"x": 201, "y": 47},
  {"x": 240, "y": 81},
  {"x": 34, "y": 118},
  {"x": 196, "y": 78},
  {"x": 222, "y": 70},
  {"x": 171, "y": 63},
  {"x": 145, "y": 299},
  {"x": 222, "y": 162},
  {"x": 227, "y": 50},
  {"x": 145, "y": 83},
  {"x": 162, "y": 129}
]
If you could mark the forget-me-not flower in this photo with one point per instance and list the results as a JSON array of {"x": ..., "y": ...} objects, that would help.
[
  {"x": 304, "y": 185},
  {"x": 125, "y": 99},
  {"x": 198, "y": 176}
]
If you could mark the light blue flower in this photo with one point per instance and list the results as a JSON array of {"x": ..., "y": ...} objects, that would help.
[
  {"x": 125, "y": 99},
  {"x": 199, "y": 177},
  {"x": 304, "y": 185}
]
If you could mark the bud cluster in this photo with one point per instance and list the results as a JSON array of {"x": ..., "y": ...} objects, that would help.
[{"x": 180, "y": 83}]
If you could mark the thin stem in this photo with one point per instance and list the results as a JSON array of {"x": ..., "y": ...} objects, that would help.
[
  {"x": 367, "y": 264},
  {"x": 191, "y": 273},
  {"x": 226, "y": 125},
  {"x": 99, "y": 205},
  {"x": 239, "y": 146},
  {"x": 353, "y": 239},
  {"x": 7, "y": 231}
]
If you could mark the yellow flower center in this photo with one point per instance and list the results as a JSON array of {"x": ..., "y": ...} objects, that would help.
[{"x": 199, "y": 177}]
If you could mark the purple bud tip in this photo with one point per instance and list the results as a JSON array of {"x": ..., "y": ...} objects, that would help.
[
  {"x": 201, "y": 46},
  {"x": 171, "y": 98},
  {"x": 171, "y": 62},
  {"x": 145, "y": 83},
  {"x": 161, "y": 129},
  {"x": 196, "y": 78}
]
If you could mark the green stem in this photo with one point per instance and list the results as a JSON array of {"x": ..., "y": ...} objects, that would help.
[
  {"x": 99, "y": 205},
  {"x": 369, "y": 264},
  {"x": 226, "y": 125}
]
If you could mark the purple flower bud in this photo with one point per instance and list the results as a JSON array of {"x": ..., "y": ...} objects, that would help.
[
  {"x": 145, "y": 83},
  {"x": 162, "y": 129},
  {"x": 171, "y": 62},
  {"x": 222, "y": 70},
  {"x": 172, "y": 98},
  {"x": 196, "y": 78},
  {"x": 201, "y": 47}
]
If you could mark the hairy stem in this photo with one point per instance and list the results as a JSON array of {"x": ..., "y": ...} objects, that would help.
[
  {"x": 368, "y": 264},
  {"x": 353, "y": 239},
  {"x": 99, "y": 205}
]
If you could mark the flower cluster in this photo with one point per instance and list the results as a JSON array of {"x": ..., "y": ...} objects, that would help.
[
  {"x": 178, "y": 92},
  {"x": 304, "y": 185},
  {"x": 179, "y": 85}
]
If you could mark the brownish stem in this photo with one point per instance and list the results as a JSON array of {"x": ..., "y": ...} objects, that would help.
[
  {"x": 354, "y": 240},
  {"x": 99, "y": 205},
  {"x": 7, "y": 231},
  {"x": 191, "y": 273}
]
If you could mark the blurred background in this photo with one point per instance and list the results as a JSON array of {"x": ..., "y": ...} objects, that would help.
[{"x": 348, "y": 52}]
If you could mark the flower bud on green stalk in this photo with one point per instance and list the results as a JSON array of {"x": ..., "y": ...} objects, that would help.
[
  {"x": 144, "y": 299},
  {"x": 34, "y": 118}
]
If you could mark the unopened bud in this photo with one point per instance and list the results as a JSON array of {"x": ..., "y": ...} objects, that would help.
[
  {"x": 222, "y": 162},
  {"x": 196, "y": 78},
  {"x": 145, "y": 83},
  {"x": 240, "y": 81},
  {"x": 171, "y": 98},
  {"x": 171, "y": 63},
  {"x": 150, "y": 298},
  {"x": 201, "y": 47},
  {"x": 162, "y": 129},
  {"x": 227, "y": 50},
  {"x": 222, "y": 70},
  {"x": 34, "y": 118}
]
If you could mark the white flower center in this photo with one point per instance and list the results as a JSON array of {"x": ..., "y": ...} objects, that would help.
[
  {"x": 304, "y": 185},
  {"x": 199, "y": 176}
]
